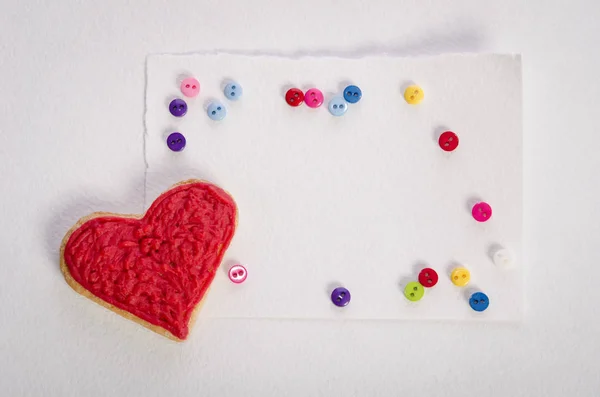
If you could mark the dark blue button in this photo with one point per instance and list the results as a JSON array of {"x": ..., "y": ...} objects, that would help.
[
  {"x": 479, "y": 301},
  {"x": 340, "y": 296},
  {"x": 352, "y": 94}
]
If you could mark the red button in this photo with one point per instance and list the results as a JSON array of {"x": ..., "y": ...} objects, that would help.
[
  {"x": 448, "y": 141},
  {"x": 428, "y": 277},
  {"x": 294, "y": 97}
]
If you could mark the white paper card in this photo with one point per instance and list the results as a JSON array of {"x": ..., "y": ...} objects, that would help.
[{"x": 362, "y": 201}]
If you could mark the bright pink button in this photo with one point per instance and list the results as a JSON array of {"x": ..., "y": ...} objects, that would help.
[
  {"x": 237, "y": 274},
  {"x": 313, "y": 98},
  {"x": 482, "y": 212},
  {"x": 190, "y": 87}
]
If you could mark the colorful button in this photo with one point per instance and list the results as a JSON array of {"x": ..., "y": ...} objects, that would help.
[
  {"x": 313, "y": 98},
  {"x": 176, "y": 142},
  {"x": 414, "y": 94},
  {"x": 340, "y": 296},
  {"x": 428, "y": 277},
  {"x": 482, "y": 212},
  {"x": 233, "y": 91},
  {"x": 414, "y": 291},
  {"x": 448, "y": 141},
  {"x": 352, "y": 94},
  {"x": 338, "y": 106},
  {"x": 190, "y": 87},
  {"x": 238, "y": 274},
  {"x": 294, "y": 97},
  {"x": 178, "y": 107},
  {"x": 460, "y": 276},
  {"x": 216, "y": 111},
  {"x": 479, "y": 301},
  {"x": 503, "y": 258}
]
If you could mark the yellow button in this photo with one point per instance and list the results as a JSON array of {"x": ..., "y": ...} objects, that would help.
[
  {"x": 460, "y": 276},
  {"x": 414, "y": 94}
]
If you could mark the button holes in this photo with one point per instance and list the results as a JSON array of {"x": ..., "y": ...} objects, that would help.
[
  {"x": 296, "y": 94},
  {"x": 342, "y": 106},
  {"x": 412, "y": 97},
  {"x": 292, "y": 100},
  {"x": 464, "y": 276},
  {"x": 412, "y": 294},
  {"x": 173, "y": 142},
  {"x": 429, "y": 281},
  {"x": 335, "y": 106},
  {"x": 342, "y": 294},
  {"x": 187, "y": 86},
  {"x": 233, "y": 87},
  {"x": 426, "y": 274},
  {"x": 416, "y": 92},
  {"x": 349, "y": 93},
  {"x": 219, "y": 108},
  {"x": 241, "y": 273},
  {"x": 415, "y": 288},
  {"x": 356, "y": 94},
  {"x": 232, "y": 93},
  {"x": 450, "y": 139},
  {"x": 339, "y": 298},
  {"x": 178, "y": 141},
  {"x": 312, "y": 94},
  {"x": 181, "y": 107},
  {"x": 315, "y": 101},
  {"x": 174, "y": 107},
  {"x": 475, "y": 301},
  {"x": 446, "y": 144},
  {"x": 194, "y": 87},
  {"x": 213, "y": 112},
  {"x": 456, "y": 277}
]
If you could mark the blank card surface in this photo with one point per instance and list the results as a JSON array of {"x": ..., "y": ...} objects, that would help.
[{"x": 362, "y": 201}]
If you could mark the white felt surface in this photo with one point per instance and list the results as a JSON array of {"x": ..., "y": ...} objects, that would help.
[
  {"x": 71, "y": 128},
  {"x": 363, "y": 201}
]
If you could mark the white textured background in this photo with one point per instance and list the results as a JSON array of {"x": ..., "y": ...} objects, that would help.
[{"x": 71, "y": 111}]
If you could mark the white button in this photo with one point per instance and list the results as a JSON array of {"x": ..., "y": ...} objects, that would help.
[{"x": 503, "y": 258}]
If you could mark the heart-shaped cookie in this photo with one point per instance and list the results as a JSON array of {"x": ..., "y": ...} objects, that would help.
[{"x": 154, "y": 268}]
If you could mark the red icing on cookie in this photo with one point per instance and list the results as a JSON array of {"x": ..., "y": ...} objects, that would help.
[{"x": 160, "y": 266}]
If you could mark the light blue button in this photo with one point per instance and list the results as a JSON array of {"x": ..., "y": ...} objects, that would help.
[
  {"x": 216, "y": 111},
  {"x": 233, "y": 91},
  {"x": 479, "y": 301},
  {"x": 352, "y": 94},
  {"x": 338, "y": 106}
]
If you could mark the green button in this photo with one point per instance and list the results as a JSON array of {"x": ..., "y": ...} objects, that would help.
[{"x": 414, "y": 291}]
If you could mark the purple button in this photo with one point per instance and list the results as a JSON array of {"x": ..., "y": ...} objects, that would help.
[
  {"x": 178, "y": 107},
  {"x": 176, "y": 142},
  {"x": 340, "y": 296}
]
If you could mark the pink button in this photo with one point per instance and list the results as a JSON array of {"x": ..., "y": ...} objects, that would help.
[
  {"x": 482, "y": 212},
  {"x": 190, "y": 87},
  {"x": 313, "y": 98},
  {"x": 237, "y": 274}
]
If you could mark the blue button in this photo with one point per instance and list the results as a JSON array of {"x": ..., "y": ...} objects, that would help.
[
  {"x": 233, "y": 91},
  {"x": 352, "y": 94},
  {"x": 337, "y": 106},
  {"x": 479, "y": 301},
  {"x": 216, "y": 111}
]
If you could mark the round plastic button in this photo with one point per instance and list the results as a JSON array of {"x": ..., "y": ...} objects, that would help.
[
  {"x": 176, "y": 142},
  {"x": 479, "y": 301},
  {"x": 352, "y": 94},
  {"x": 482, "y": 212},
  {"x": 238, "y": 274},
  {"x": 178, "y": 107},
  {"x": 460, "y": 276},
  {"x": 233, "y": 91},
  {"x": 414, "y": 291},
  {"x": 216, "y": 111},
  {"x": 414, "y": 94},
  {"x": 428, "y": 277},
  {"x": 294, "y": 97},
  {"x": 190, "y": 87},
  {"x": 340, "y": 296},
  {"x": 338, "y": 106},
  {"x": 448, "y": 141},
  {"x": 313, "y": 98},
  {"x": 503, "y": 258}
]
